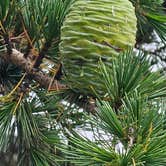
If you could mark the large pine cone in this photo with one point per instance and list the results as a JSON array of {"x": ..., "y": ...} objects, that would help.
[{"x": 95, "y": 29}]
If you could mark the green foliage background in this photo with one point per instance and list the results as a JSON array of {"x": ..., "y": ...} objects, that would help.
[{"x": 39, "y": 127}]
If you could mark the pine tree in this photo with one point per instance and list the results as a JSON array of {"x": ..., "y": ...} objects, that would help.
[{"x": 44, "y": 109}]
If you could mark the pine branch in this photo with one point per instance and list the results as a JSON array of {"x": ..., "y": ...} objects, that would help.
[{"x": 17, "y": 58}]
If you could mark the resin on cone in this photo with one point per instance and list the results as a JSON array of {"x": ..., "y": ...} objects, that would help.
[{"x": 93, "y": 30}]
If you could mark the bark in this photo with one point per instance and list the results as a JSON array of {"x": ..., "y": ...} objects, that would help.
[{"x": 26, "y": 63}]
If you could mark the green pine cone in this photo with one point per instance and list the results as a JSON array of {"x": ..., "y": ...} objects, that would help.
[{"x": 92, "y": 30}]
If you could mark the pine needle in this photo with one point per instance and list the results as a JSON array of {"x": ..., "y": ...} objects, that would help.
[
  {"x": 19, "y": 101},
  {"x": 18, "y": 84}
]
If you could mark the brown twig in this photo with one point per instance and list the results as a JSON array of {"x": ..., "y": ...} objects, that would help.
[{"x": 17, "y": 58}]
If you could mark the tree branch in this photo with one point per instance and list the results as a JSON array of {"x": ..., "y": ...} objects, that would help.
[{"x": 17, "y": 58}]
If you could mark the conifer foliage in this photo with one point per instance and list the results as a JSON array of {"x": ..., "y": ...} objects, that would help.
[{"x": 61, "y": 77}]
